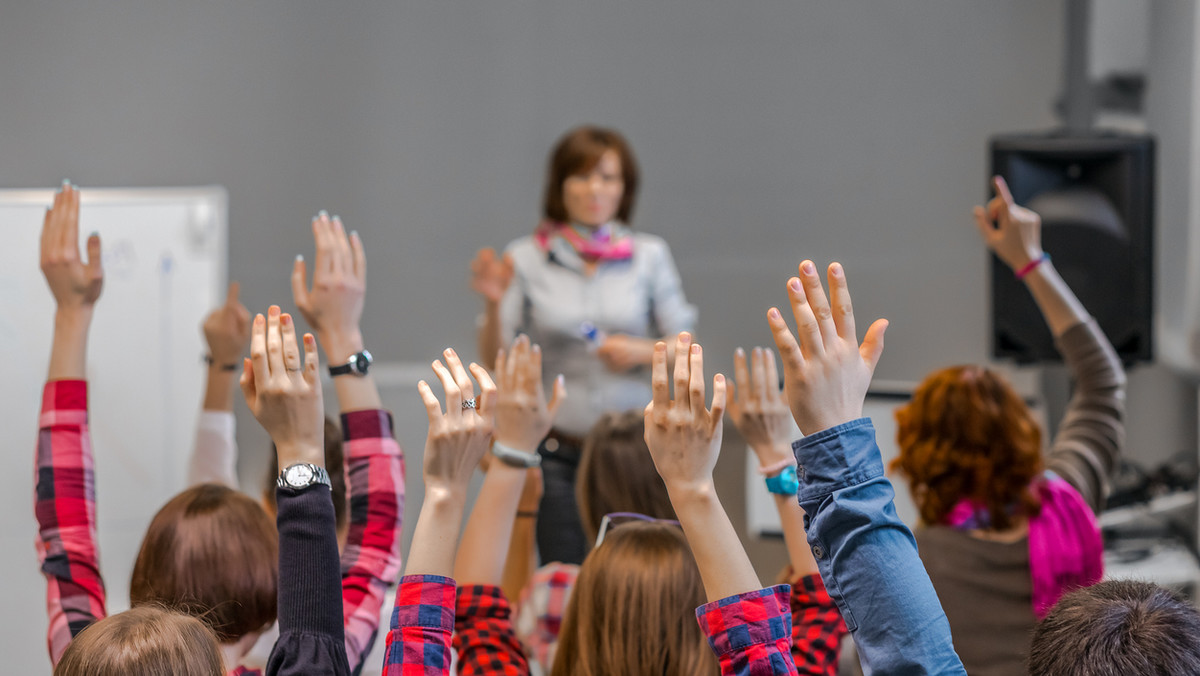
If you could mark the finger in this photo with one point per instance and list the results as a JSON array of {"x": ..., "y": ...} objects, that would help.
[
  {"x": 360, "y": 256},
  {"x": 95, "y": 259},
  {"x": 507, "y": 260},
  {"x": 48, "y": 233},
  {"x": 291, "y": 349},
  {"x": 986, "y": 228},
  {"x": 341, "y": 242},
  {"x": 465, "y": 386},
  {"x": 683, "y": 344},
  {"x": 660, "y": 385},
  {"x": 501, "y": 372},
  {"x": 718, "y": 403},
  {"x": 1002, "y": 190},
  {"x": 71, "y": 231},
  {"x": 785, "y": 342},
  {"x": 486, "y": 403},
  {"x": 808, "y": 333},
  {"x": 322, "y": 238},
  {"x": 258, "y": 352},
  {"x": 231, "y": 296},
  {"x": 772, "y": 374},
  {"x": 696, "y": 381},
  {"x": 300, "y": 281},
  {"x": 433, "y": 408},
  {"x": 758, "y": 375},
  {"x": 558, "y": 395},
  {"x": 312, "y": 361},
  {"x": 247, "y": 381},
  {"x": 274, "y": 344},
  {"x": 818, "y": 302},
  {"x": 997, "y": 211},
  {"x": 839, "y": 299},
  {"x": 453, "y": 395},
  {"x": 872, "y": 345},
  {"x": 741, "y": 376},
  {"x": 516, "y": 363}
]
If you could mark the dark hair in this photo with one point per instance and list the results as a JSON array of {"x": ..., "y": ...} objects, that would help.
[
  {"x": 212, "y": 553},
  {"x": 577, "y": 152},
  {"x": 144, "y": 641},
  {"x": 335, "y": 464},
  {"x": 1118, "y": 627},
  {"x": 617, "y": 474}
]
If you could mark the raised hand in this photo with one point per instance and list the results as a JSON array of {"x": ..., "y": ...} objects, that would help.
[
  {"x": 459, "y": 436},
  {"x": 75, "y": 283},
  {"x": 333, "y": 307},
  {"x": 523, "y": 416},
  {"x": 491, "y": 274},
  {"x": 621, "y": 353},
  {"x": 283, "y": 393},
  {"x": 759, "y": 409},
  {"x": 826, "y": 373},
  {"x": 683, "y": 435},
  {"x": 1013, "y": 232},
  {"x": 227, "y": 329}
]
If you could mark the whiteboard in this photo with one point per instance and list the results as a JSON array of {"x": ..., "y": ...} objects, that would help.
[{"x": 165, "y": 253}]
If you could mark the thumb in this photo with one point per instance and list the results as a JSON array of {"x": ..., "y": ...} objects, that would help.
[
  {"x": 558, "y": 395},
  {"x": 231, "y": 297},
  {"x": 247, "y": 382},
  {"x": 300, "y": 283},
  {"x": 94, "y": 263},
  {"x": 872, "y": 345}
]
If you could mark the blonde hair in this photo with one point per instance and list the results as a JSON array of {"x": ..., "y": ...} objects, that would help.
[
  {"x": 145, "y": 641},
  {"x": 632, "y": 611}
]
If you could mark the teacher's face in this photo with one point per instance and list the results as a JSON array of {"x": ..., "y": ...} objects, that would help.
[{"x": 593, "y": 197}]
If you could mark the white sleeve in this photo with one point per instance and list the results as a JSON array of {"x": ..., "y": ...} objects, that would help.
[{"x": 214, "y": 457}]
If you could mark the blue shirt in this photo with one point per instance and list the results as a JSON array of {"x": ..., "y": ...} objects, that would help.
[{"x": 868, "y": 557}]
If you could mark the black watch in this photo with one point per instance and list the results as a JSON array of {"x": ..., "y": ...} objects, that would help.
[{"x": 357, "y": 364}]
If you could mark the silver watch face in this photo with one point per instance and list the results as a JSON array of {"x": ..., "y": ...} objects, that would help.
[{"x": 298, "y": 476}]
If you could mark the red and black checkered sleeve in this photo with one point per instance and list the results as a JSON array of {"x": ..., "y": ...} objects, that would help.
[
  {"x": 817, "y": 627},
  {"x": 484, "y": 636}
]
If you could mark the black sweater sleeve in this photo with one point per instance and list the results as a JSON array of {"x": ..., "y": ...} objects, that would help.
[{"x": 311, "y": 636}]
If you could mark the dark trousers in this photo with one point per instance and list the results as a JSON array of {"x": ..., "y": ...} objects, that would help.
[{"x": 559, "y": 530}]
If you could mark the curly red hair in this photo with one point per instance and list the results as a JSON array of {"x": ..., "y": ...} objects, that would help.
[{"x": 966, "y": 434}]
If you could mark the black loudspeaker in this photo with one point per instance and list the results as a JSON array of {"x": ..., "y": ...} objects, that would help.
[{"x": 1095, "y": 195}]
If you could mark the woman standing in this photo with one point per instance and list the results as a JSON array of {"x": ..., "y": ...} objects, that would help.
[{"x": 595, "y": 295}]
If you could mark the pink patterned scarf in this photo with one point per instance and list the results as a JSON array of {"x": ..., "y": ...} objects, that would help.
[
  {"x": 1065, "y": 548},
  {"x": 609, "y": 242}
]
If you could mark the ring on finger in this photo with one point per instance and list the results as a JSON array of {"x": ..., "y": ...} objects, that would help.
[{"x": 470, "y": 403}]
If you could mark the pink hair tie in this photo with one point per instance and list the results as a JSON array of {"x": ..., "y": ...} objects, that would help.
[
  {"x": 1029, "y": 267},
  {"x": 777, "y": 467}
]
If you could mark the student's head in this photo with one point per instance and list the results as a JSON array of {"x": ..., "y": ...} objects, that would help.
[
  {"x": 966, "y": 434},
  {"x": 211, "y": 552},
  {"x": 144, "y": 641},
  {"x": 335, "y": 464},
  {"x": 592, "y": 178},
  {"x": 1118, "y": 627},
  {"x": 632, "y": 610},
  {"x": 616, "y": 473}
]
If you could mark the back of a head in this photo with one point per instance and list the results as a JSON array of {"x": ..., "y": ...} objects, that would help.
[
  {"x": 633, "y": 609},
  {"x": 1116, "y": 628},
  {"x": 144, "y": 641},
  {"x": 617, "y": 474},
  {"x": 212, "y": 553},
  {"x": 967, "y": 434}
]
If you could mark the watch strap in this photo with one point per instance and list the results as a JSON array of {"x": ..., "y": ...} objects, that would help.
[
  {"x": 514, "y": 458},
  {"x": 784, "y": 483},
  {"x": 319, "y": 476}
]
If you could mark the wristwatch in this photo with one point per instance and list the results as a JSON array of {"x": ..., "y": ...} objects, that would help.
[
  {"x": 514, "y": 458},
  {"x": 784, "y": 483},
  {"x": 357, "y": 364},
  {"x": 301, "y": 475}
]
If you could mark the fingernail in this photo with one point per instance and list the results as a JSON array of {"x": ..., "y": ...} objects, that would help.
[
  {"x": 337, "y": 219},
  {"x": 837, "y": 269},
  {"x": 285, "y": 319},
  {"x": 794, "y": 284},
  {"x": 773, "y": 313},
  {"x": 685, "y": 337},
  {"x": 720, "y": 378},
  {"x": 66, "y": 183},
  {"x": 273, "y": 311},
  {"x": 93, "y": 234},
  {"x": 322, "y": 214},
  {"x": 695, "y": 348},
  {"x": 354, "y": 233},
  {"x": 808, "y": 267},
  {"x": 299, "y": 257},
  {"x": 739, "y": 352}
]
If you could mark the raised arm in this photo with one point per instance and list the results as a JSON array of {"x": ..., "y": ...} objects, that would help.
[
  {"x": 491, "y": 276},
  {"x": 226, "y": 331},
  {"x": 423, "y": 619},
  {"x": 333, "y": 306},
  {"x": 65, "y": 488},
  {"x": 866, "y": 555}
]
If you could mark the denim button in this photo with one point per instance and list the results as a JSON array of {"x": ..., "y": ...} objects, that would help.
[{"x": 818, "y": 552}]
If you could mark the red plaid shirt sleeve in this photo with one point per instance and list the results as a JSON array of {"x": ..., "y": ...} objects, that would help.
[
  {"x": 422, "y": 622},
  {"x": 371, "y": 557},
  {"x": 65, "y": 505},
  {"x": 750, "y": 633},
  {"x": 541, "y": 610},
  {"x": 817, "y": 628},
  {"x": 484, "y": 636}
]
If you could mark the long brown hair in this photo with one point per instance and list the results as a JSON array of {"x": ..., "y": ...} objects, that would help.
[
  {"x": 632, "y": 611},
  {"x": 617, "y": 474},
  {"x": 212, "y": 553},
  {"x": 144, "y": 641},
  {"x": 966, "y": 434},
  {"x": 578, "y": 151}
]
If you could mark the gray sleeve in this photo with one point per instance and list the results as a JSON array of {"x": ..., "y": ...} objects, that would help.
[
  {"x": 669, "y": 309},
  {"x": 512, "y": 305},
  {"x": 1092, "y": 433}
]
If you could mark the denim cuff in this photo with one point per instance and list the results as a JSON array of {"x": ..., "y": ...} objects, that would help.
[{"x": 836, "y": 458}]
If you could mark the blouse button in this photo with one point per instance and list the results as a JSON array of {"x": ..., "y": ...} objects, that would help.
[{"x": 551, "y": 445}]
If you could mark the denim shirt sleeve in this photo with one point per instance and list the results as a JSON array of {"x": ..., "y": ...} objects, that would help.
[{"x": 868, "y": 557}]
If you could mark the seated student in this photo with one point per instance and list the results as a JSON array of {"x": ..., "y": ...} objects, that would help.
[
  {"x": 1005, "y": 532},
  {"x": 369, "y": 534},
  {"x": 1118, "y": 627},
  {"x": 144, "y": 641}
]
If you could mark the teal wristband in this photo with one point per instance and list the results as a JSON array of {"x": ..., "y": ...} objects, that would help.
[{"x": 784, "y": 483}]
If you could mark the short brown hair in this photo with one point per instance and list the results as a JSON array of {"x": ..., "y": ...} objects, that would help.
[
  {"x": 1118, "y": 627},
  {"x": 617, "y": 474},
  {"x": 335, "y": 465},
  {"x": 577, "y": 152},
  {"x": 212, "y": 553},
  {"x": 144, "y": 641},
  {"x": 966, "y": 434},
  {"x": 632, "y": 611}
]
